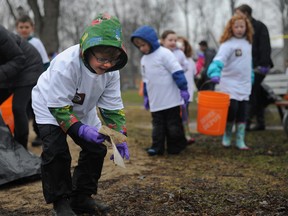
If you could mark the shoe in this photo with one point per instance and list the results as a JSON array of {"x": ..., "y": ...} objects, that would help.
[
  {"x": 37, "y": 142},
  {"x": 190, "y": 140},
  {"x": 61, "y": 207},
  {"x": 84, "y": 203},
  {"x": 152, "y": 152},
  {"x": 258, "y": 128}
]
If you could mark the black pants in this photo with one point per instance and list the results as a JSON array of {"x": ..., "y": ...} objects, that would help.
[
  {"x": 56, "y": 164},
  {"x": 256, "y": 107},
  {"x": 21, "y": 98},
  {"x": 167, "y": 126},
  {"x": 237, "y": 111}
]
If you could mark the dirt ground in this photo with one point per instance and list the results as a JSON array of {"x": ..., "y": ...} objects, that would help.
[{"x": 205, "y": 179}]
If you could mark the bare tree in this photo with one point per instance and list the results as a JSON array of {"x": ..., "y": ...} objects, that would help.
[
  {"x": 157, "y": 13},
  {"x": 74, "y": 17},
  {"x": 232, "y": 6},
  {"x": 184, "y": 7},
  {"x": 11, "y": 9},
  {"x": 206, "y": 20},
  {"x": 46, "y": 23}
]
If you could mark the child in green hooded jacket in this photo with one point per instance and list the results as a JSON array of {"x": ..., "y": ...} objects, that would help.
[{"x": 80, "y": 79}]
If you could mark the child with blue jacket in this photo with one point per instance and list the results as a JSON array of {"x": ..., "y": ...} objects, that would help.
[
  {"x": 165, "y": 90},
  {"x": 233, "y": 63}
]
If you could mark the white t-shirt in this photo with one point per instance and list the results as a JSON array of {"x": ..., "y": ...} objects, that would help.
[
  {"x": 189, "y": 68},
  {"x": 181, "y": 58},
  {"x": 41, "y": 49},
  {"x": 157, "y": 69},
  {"x": 67, "y": 75},
  {"x": 189, "y": 74},
  {"x": 236, "y": 54}
]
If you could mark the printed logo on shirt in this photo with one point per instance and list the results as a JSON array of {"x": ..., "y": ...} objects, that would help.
[
  {"x": 238, "y": 52},
  {"x": 78, "y": 98}
]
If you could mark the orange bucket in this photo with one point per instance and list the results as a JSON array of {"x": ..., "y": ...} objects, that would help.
[
  {"x": 212, "y": 112},
  {"x": 7, "y": 114}
]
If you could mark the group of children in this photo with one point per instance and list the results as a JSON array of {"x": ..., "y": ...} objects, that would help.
[
  {"x": 165, "y": 79},
  {"x": 86, "y": 76}
]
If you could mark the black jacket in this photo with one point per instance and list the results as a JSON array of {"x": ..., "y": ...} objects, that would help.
[
  {"x": 261, "y": 48},
  {"x": 20, "y": 62}
]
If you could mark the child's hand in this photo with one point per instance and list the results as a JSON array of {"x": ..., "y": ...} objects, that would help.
[
  {"x": 146, "y": 103},
  {"x": 123, "y": 150},
  {"x": 185, "y": 95},
  {"x": 215, "y": 79},
  {"x": 91, "y": 134},
  {"x": 263, "y": 70}
]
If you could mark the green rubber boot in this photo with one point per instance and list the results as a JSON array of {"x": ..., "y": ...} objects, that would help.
[
  {"x": 226, "y": 140},
  {"x": 240, "y": 136}
]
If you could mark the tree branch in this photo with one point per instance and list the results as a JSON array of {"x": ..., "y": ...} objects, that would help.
[{"x": 11, "y": 9}]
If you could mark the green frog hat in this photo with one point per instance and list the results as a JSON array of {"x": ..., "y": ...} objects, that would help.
[{"x": 104, "y": 30}]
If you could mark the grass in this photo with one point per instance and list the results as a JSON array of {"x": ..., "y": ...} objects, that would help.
[
  {"x": 212, "y": 180},
  {"x": 131, "y": 97}
]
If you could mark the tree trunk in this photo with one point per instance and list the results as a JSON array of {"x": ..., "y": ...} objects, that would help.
[{"x": 46, "y": 26}]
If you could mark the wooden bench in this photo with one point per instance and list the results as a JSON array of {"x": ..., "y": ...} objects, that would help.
[{"x": 279, "y": 84}]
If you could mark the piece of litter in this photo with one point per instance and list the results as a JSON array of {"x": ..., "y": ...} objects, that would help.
[{"x": 115, "y": 138}]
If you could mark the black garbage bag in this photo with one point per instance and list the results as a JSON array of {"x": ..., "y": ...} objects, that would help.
[{"x": 15, "y": 161}]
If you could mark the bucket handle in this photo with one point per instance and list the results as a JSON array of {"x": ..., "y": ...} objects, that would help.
[{"x": 205, "y": 83}]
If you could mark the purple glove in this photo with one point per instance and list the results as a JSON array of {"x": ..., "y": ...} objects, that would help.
[
  {"x": 185, "y": 95},
  {"x": 146, "y": 103},
  {"x": 123, "y": 150},
  {"x": 91, "y": 134},
  {"x": 201, "y": 55},
  {"x": 263, "y": 70},
  {"x": 215, "y": 79}
]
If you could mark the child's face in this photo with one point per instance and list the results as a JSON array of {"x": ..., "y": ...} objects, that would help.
[
  {"x": 239, "y": 28},
  {"x": 101, "y": 62},
  {"x": 170, "y": 41},
  {"x": 24, "y": 29},
  {"x": 142, "y": 45}
]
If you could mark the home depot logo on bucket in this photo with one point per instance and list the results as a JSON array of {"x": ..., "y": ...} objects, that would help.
[{"x": 212, "y": 112}]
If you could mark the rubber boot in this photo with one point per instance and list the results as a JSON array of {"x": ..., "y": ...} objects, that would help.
[
  {"x": 83, "y": 203},
  {"x": 61, "y": 207},
  {"x": 188, "y": 136},
  {"x": 240, "y": 136},
  {"x": 226, "y": 140}
]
